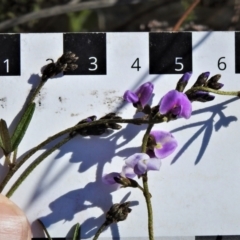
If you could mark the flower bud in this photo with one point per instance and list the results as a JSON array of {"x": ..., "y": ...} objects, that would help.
[
  {"x": 64, "y": 63},
  {"x": 201, "y": 80},
  {"x": 118, "y": 212},
  {"x": 125, "y": 182},
  {"x": 98, "y": 129},
  {"x": 200, "y": 96},
  {"x": 183, "y": 81},
  {"x": 213, "y": 82}
]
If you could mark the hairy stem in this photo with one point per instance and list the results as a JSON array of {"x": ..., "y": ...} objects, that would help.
[
  {"x": 149, "y": 206},
  {"x": 100, "y": 230},
  {"x": 36, "y": 91},
  {"x": 68, "y": 130},
  {"x": 34, "y": 164},
  {"x": 146, "y": 193},
  {"x": 206, "y": 89}
]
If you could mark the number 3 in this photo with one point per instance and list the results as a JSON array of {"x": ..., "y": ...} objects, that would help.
[{"x": 94, "y": 63}]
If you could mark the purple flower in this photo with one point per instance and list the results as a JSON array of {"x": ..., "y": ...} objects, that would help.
[
  {"x": 161, "y": 144},
  {"x": 176, "y": 103},
  {"x": 141, "y": 163},
  {"x": 127, "y": 172},
  {"x": 142, "y": 95}
]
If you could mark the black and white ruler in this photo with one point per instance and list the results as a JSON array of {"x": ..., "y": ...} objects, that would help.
[{"x": 195, "y": 193}]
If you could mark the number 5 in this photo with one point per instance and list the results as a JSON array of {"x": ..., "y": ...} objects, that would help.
[{"x": 179, "y": 63}]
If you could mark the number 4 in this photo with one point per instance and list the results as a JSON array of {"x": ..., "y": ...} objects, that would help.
[{"x": 136, "y": 64}]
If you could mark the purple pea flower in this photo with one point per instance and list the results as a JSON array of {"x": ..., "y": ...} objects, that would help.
[
  {"x": 161, "y": 144},
  {"x": 176, "y": 103},
  {"x": 141, "y": 163},
  {"x": 141, "y": 95},
  {"x": 127, "y": 172}
]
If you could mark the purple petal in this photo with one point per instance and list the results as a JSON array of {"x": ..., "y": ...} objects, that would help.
[
  {"x": 109, "y": 178},
  {"x": 167, "y": 149},
  {"x": 140, "y": 168},
  {"x": 186, "y": 106},
  {"x": 166, "y": 143},
  {"x": 135, "y": 158},
  {"x": 154, "y": 164},
  {"x": 144, "y": 93},
  {"x": 130, "y": 97},
  {"x": 161, "y": 136},
  {"x": 128, "y": 172},
  {"x": 168, "y": 101}
]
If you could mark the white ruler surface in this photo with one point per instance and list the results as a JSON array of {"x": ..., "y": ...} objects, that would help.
[{"x": 195, "y": 193}]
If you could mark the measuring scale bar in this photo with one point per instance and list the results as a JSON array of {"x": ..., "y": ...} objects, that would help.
[{"x": 195, "y": 193}]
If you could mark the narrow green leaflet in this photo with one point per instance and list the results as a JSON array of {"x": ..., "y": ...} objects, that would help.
[
  {"x": 22, "y": 126},
  {"x": 5, "y": 138},
  {"x": 77, "y": 232}
]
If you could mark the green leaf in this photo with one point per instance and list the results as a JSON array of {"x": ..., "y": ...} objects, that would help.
[
  {"x": 22, "y": 126},
  {"x": 77, "y": 231},
  {"x": 5, "y": 138},
  {"x": 44, "y": 229}
]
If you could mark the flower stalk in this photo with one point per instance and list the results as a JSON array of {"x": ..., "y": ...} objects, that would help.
[{"x": 146, "y": 193}]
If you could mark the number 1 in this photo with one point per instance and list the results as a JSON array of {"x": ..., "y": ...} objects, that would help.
[{"x": 7, "y": 65}]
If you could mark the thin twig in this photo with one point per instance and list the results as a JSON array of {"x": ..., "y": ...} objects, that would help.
[
  {"x": 33, "y": 165},
  {"x": 219, "y": 92},
  {"x": 63, "y": 9},
  {"x": 68, "y": 130},
  {"x": 36, "y": 91},
  {"x": 145, "y": 186},
  {"x": 184, "y": 16},
  {"x": 100, "y": 230}
]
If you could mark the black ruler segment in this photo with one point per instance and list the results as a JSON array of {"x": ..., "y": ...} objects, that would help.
[
  {"x": 237, "y": 52},
  {"x": 170, "y": 53},
  {"x": 233, "y": 237},
  {"x": 10, "y": 64},
  {"x": 91, "y": 50}
]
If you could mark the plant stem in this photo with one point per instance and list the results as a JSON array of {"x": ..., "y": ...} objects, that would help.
[
  {"x": 8, "y": 160},
  {"x": 206, "y": 89},
  {"x": 68, "y": 130},
  {"x": 184, "y": 16},
  {"x": 36, "y": 91},
  {"x": 100, "y": 230},
  {"x": 146, "y": 193},
  {"x": 34, "y": 164},
  {"x": 14, "y": 156},
  {"x": 149, "y": 206},
  {"x": 44, "y": 229}
]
